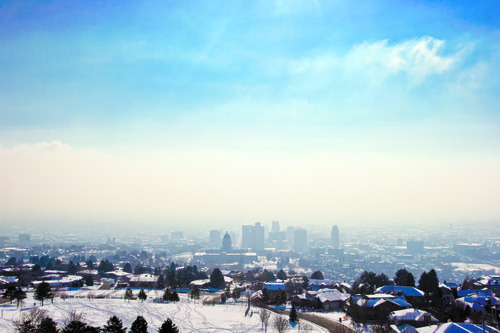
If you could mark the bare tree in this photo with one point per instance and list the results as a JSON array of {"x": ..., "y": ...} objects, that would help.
[
  {"x": 72, "y": 316},
  {"x": 29, "y": 320},
  {"x": 281, "y": 324},
  {"x": 264, "y": 315},
  {"x": 305, "y": 327}
]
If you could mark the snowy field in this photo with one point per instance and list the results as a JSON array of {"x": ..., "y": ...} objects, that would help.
[
  {"x": 188, "y": 315},
  {"x": 470, "y": 267}
]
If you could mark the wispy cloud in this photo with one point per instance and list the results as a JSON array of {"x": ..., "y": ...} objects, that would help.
[{"x": 417, "y": 58}]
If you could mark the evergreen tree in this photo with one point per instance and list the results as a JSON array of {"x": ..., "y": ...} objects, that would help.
[
  {"x": 128, "y": 294},
  {"x": 281, "y": 275},
  {"x": 217, "y": 279},
  {"x": 236, "y": 293},
  {"x": 168, "y": 327},
  {"x": 172, "y": 278},
  {"x": 10, "y": 293},
  {"x": 175, "y": 297},
  {"x": 71, "y": 268},
  {"x": 19, "y": 295},
  {"x": 317, "y": 275},
  {"x": 90, "y": 264},
  {"x": 160, "y": 284},
  {"x": 167, "y": 296},
  {"x": 47, "y": 325},
  {"x": 89, "y": 281},
  {"x": 77, "y": 326},
  {"x": 195, "y": 293},
  {"x": 42, "y": 292},
  {"x": 114, "y": 325},
  {"x": 139, "y": 325},
  {"x": 265, "y": 295},
  {"x": 429, "y": 282},
  {"x": 142, "y": 295},
  {"x": 293, "y": 314},
  {"x": 11, "y": 262},
  {"x": 404, "y": 278},
  {"x": 127, "y": 268}
]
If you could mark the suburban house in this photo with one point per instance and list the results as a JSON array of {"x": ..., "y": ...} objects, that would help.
[
  {"x": 143, "y": 281},
  {"x": 376, "y": 306},
  {"x": 413, "y": 317},
  {"x": 414, "y": 296}
]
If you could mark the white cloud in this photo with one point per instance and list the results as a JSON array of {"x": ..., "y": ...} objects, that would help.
[{"x": 417, "y": 58}]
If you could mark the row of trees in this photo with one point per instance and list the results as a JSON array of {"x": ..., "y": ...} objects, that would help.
[{"x": 36, "y": 321}]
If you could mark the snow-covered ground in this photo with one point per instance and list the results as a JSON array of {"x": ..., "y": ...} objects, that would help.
[{"x": 188, "y": 315}]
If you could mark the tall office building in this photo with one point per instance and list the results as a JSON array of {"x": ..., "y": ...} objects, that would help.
[
  {"x": 252, "y": 236},
  {"x": 275, "y": 226},
  {"x": 215, "y": 238},
  {"x": 300, "y": 240},
  {"x": 335, "y": 237}
]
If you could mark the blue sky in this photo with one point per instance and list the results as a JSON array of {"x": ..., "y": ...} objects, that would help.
[{"x": 281, "y": 80}]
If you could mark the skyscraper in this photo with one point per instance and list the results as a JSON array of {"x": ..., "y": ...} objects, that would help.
[
  {"x": 300, "y": 240},
  {"x": 335, "y": 237},
  {"x": 252, "y": 236},
  {"x": 215, "y": 236}
]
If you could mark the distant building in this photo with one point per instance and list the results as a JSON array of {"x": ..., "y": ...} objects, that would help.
[
  {"x": 300, "y": 240},
  {"x": 215, "y": 238},
  {"x": 275, "y": 226},
  {"x": 177, "y": 235},
  {"x": 24, "y": 239},
  {"x": 226, "y": 243},
  {"x": 252, "y": 236},
  {"x": 164, "y": 238},
  {"x": 415, "y": 247},
  {"x": 335, "y": 237}
]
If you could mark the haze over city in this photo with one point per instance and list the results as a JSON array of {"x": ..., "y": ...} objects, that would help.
[{"x": 226, "y": 113}]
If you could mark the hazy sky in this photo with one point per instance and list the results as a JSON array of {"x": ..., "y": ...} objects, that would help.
[{"x": 233, "y": 112}]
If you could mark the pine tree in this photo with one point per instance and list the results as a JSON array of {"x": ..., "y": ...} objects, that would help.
[
  {"x": 128, "y": 294},
  {"x": 195, "y": 293},
  {"x": 167, "y": 296},
  {"x": 127, "y": 268},
  {"x": 175, "y": 297},
  {"x": 281, "y": 275},
  {"x": 317, "y": 275},
  {"x": 142, "y": 295},
  {"x": 217, "y": 279},
  {"x": 42, "y": 292},
  {"x": 293, "y": 314},
  {"x": 47, "y": 325},
  {"x": 114, "y": 325},
  {"x": 139, "y": 325},
  {"x": 19, "y": 295},
  {"x": 404, "y": 278},
  {"x": 168, "y": 327}
]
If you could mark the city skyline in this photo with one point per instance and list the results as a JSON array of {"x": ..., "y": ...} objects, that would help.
[{"x": 202, "y": 113}]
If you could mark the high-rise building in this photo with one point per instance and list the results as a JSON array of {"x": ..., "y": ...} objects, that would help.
[
  {"x": 275, "y": 226},
  {"x": 226, "y": 243},
  {"x": 300, "y": 240},
  {"x": 252, "y": 236},
  {"x": 335, "y": 237},
  {"x": 215, "y": 238}
]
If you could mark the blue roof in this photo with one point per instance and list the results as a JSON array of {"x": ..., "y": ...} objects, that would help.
[
  {"x": 463, "y": 328},
  {"x": 407, "y": 291},
  {"x": 400, "y": 301},
  {"x": 274, "y": 286}
]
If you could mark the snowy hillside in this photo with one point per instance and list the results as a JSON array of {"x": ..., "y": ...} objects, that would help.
[{"x": 188, "y": 315}]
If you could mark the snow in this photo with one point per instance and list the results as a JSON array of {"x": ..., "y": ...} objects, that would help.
[{"x": 187, "y": 314}]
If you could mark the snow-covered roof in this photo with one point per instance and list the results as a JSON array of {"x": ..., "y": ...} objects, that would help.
[
  {"x": 407, "y": 291},
  {"x": 65, "y": 280},
  {"x": 147, "y": 278},
  {"x": 410, "y": 315},
  {"x": 463, "y": 328},
  {"x": 8, "y": 279},
  {"x": 316, "y": 282},
  {"x": 331, "y": 295},
  {"x": 200, "y": 283}
]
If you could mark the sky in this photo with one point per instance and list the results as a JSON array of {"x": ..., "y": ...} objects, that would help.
[{"x": 218, "y": 113}]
